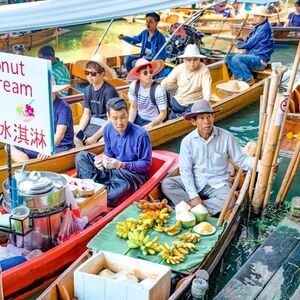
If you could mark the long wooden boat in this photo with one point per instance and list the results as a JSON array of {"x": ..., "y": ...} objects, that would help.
[
  {"x": 63, "y": 286},
  {"x": 21, "y": 279},
  {"x": 29, "y": 39},
  {"x": 164, "y": 132},
  {"x": 291, "y": 134}
]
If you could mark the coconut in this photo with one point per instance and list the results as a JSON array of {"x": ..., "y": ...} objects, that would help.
[
  {"x": 200, "y": 212},
  {"x": 106, "y": 273},
  {"x": 182, "y": 206},
  {"x": 128, "y": 277},
  {"x": 186, "y": 218}
]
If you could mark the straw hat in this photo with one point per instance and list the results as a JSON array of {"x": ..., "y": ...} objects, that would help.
[
  {"x": 191, "y": 50},
  {"x": 59, "y": 88},
  {"x": 260, "y": 11},
  {"x": 200, "y": 107},
  {"x": 156, "y": 65},
  {"x": 102, "y": 61},
  {"x": 233, "y": 86}
]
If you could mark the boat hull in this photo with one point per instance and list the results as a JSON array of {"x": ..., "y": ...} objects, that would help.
[{"x": 19, "y": 279}]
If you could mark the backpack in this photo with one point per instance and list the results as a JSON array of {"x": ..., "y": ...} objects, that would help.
[{"x": 152, "y": 95}]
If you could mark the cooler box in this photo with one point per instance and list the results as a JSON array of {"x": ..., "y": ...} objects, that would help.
[{"x": 154, "y": 279}]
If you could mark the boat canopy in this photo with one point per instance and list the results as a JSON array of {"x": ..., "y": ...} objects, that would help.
[
  {"x": 57, "y": 13},
  {"x": 259, "y": 2}
]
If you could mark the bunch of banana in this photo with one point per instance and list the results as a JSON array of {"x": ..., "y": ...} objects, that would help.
[
  {"x": 139, "y": 239},
  {"x": 171, "y": 254},
  {"x": 190, "y": 237},
  {"x": 174, "y": 229},
  {"x": 145, "y": 224},
  {"x": 123, "y": 228},
  {"x": 190, "y": 247},
  {"x": 157, "y": 205},
  {"x": 159, "y": 216}
]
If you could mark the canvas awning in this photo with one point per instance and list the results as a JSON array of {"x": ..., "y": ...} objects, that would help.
[{"x": 58, "y": 13}]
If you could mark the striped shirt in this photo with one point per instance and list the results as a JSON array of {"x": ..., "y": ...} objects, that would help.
[
  {"x": 61, "y": 75},
  {"x": 146, "y": 109}
]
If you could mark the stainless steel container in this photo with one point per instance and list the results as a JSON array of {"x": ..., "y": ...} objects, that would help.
[{"x": 44, "y": 194}]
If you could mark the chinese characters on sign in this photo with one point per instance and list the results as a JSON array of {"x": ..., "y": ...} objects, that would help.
[{"x": 26, "y": 104}]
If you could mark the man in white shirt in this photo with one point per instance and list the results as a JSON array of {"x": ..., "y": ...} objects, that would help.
[
  {"x": 204, "y": 162},
  {"x": 191, "y": 79},
  {"x": 148, "y": 99}
]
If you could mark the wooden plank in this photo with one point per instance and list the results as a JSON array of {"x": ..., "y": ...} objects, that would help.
[
  {"x": 286, "y": 280},
  {"x": 263, "y": 264}
]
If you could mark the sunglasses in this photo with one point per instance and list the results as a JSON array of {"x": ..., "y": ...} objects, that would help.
[
  {"x": 189, "y": 59},
  {"x": 92, "y": 73},
  {"x": 146, "y": 72}
]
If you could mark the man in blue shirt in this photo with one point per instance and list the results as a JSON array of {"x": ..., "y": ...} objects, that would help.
[
  {"x": 293, "y": 19},
  {"x": 124, "y": 165},
  {"x": 63, "y": 126},
  {"x": 151, "y": 39},
  {"x": 258, "y": 46}
]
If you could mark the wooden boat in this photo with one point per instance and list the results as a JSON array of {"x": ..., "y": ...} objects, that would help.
[
  {"x": 164, "y": 132},
  {"x": 63, "y": 286},
  {"x": 291, "y": 134},
  {"x": 21, "y": 279},
  {"x": 29, "y": 39}
]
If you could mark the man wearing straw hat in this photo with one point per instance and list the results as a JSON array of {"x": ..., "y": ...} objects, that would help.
[
  {"x": 148, "y": 99},
  {"x": 204, "y": 162},
  {"x": 63, "y": 126},
  {"x": 192, "y": 80},
  {"x": 258, "y": 46},
  {"x": 96, "y": 96}
]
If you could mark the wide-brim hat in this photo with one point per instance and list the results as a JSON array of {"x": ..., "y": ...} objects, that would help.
[
  {"x": 59, "y": 88},
  {"x": 260, "y": 11},
  {"x": 191, "y": 50},
  {"x": 233, "y": 86},
  {"x": 200, "y": 107},
  {"x": 156, "y": 66},
  {"x": 100, "y": 60}
]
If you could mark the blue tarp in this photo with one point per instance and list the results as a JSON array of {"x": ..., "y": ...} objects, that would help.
[{"x": 59, "y": 13}]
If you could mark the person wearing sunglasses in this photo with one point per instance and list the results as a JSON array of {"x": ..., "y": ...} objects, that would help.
[
  {"x": 96, "y": 96},
  {"x": 151, "y": 40},
  {"x": 148, "y": 99},
  {"x": 59, "y": 70},
  {"x": 124, "y": 165},
  {"x": 19, "y": 49},
  {"x": 191, "y": 79}
]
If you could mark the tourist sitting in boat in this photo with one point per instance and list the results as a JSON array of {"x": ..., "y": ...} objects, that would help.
[
  {"x": 148, "y": 99},
  {"x": 223, "y": 9},
  {"x": 192, "y": 80},
  {"x": 151, "y": 40},
  {"x": 63, "y": 126},
  {"x": 19, "y": 49},
  {"x": 59, "y": 70},
  {"x": 96, "y": 96},
  {"x": 258, "y": 46},
  {"x": 126, "y": 160},
  {"x": 293, "y": 19},
  {"x": 204, "y": 162}
]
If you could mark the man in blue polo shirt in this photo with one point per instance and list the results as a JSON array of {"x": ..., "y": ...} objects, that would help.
[
  {"x": 293, "y": 19},
  {"x": 258, "y": 47},
  {"x": 151, "y": 39},
  {"x": 126, "y": 160}
]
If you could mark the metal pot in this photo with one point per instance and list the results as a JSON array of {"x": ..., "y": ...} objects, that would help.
[{"x": 39, "y": 191}]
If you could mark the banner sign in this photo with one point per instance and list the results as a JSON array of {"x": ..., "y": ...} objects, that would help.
[{"x": 26, "y": 117}]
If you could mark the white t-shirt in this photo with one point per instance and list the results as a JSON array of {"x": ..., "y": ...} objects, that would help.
[{"x": 146, "y": 109}]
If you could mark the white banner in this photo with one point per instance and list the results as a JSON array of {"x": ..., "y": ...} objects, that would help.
[{"x": 26, "y": 117}]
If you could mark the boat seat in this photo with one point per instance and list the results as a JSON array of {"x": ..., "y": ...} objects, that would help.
[{"x": 77, "y": 112}]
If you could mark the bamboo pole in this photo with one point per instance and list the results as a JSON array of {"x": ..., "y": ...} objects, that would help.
[
  {"x": 279, "y": 198},
  {"x": 268, "y": 155},
  {"x": 294, "y": 70},
  {"x": 230, "y": 195},
  {"x": 257, "y": 154},
  {"x": 264, "y": 99}
]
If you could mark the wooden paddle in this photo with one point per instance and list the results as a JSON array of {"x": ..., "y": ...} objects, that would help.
[
  {"x": 103, "y": 36},
  {"x": 233, "y": 42},
  {"x": 230, "y": 196}
]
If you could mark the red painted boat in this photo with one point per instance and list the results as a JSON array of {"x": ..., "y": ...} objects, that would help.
[{"x": 21, "y": 281}]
